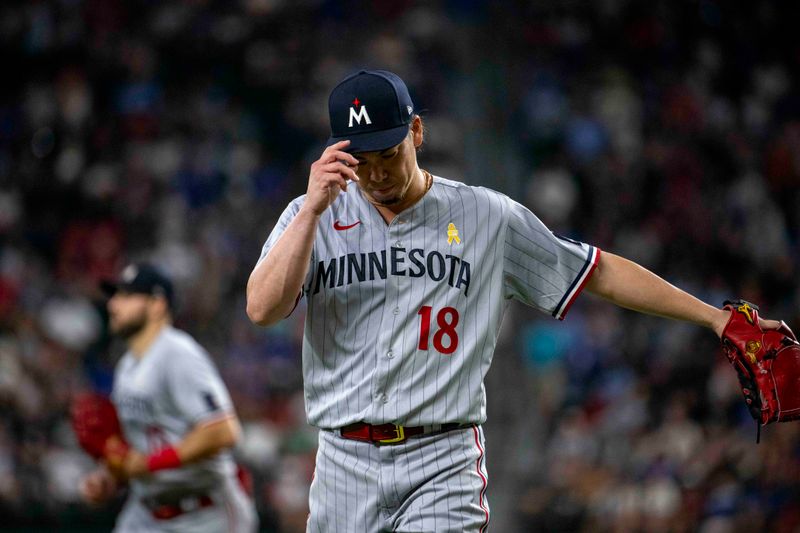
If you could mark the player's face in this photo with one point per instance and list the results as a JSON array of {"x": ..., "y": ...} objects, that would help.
[
  {"x": 127, "y": 313},
  {"x": 386, "y": 176}
]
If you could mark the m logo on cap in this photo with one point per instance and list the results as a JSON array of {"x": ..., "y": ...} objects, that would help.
[{"x": 362, "y": 113}]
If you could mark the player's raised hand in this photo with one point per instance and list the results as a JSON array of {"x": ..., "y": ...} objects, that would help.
[{"x": 329, "y": 176}]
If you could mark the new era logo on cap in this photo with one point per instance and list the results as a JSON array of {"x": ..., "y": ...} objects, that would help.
[{"x": 372, "y": 109}]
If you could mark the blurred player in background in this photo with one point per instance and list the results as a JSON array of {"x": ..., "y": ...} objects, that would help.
[
  {"x": 177, "y": 418},
  {"x": 407, "y": 277}
]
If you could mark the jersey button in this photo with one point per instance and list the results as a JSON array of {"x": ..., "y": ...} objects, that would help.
[
  {"x": 385, "y": 399},
  {"x": 399, "y": 244},
  {"x": 396, "y": 311},
  {"x": 390, "y": 354}
]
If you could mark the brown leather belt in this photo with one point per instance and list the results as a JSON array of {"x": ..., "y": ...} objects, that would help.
[
  {"x": 168, "y": 511},
  {"x": 392, "y": 433}
]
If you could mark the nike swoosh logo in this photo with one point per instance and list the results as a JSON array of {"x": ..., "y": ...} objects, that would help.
[{"x": 339, "y": 227}]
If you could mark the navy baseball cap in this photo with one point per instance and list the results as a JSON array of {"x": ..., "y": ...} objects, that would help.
[
  {"x": 371, "y": 108},
  {"x": 141, "y": 278}
]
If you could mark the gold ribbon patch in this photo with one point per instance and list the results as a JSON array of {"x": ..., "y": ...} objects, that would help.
[{"x": 452, "y": 234}]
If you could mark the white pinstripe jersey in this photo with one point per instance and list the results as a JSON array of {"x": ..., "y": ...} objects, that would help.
[
  {"x": 403, "y": 318},
  {"x": 161, "y": 397}
]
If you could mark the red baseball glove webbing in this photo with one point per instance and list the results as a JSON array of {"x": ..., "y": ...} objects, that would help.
[{"x": 767, "y": 362}]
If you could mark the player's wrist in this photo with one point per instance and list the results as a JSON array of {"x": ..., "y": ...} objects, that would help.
[
  {"x": 163, "y": 459},
  {"x": 312, "y": 211},
  {"x": 718, "y": 321}
]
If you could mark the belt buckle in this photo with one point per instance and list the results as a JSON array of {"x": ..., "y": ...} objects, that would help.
[{"x": 400, "y": 436}]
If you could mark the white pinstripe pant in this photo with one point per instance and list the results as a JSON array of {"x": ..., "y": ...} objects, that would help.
[
  {"x": 432, "y": 483},
  {"x": 232, "y": 512}
]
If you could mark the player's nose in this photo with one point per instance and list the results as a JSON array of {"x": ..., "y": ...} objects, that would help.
[{"x": 377, "y": 174}]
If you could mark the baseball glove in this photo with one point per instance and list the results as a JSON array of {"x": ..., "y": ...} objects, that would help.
[
  {"x": 94, "y": 420},
  {"x": 767, "y": 362}
]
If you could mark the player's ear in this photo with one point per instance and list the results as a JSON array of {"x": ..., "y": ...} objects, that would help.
[
  {"x": 417, "y": 131},
  {"x": 159, "y": 307}
]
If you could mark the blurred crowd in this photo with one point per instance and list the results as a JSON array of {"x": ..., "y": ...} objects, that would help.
[{"x": 177, "y": 131}]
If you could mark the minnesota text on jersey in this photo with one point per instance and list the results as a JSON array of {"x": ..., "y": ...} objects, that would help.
[{"x": 372, "y": 265}]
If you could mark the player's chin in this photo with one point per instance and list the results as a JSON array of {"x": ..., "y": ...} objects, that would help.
[
  {"x": 125, "y": 330},
  {"x": 390, "y": 201},
  {"x": 386, "y": 197}
]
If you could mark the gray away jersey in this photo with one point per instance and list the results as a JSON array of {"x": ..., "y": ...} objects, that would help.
[
  {"x": 160, "y": 398},
  {"x": 403, "y": 318}
]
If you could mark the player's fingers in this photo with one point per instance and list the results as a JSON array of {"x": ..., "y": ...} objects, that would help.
[
  {"x": 89, "y": 488},
  {"x": 338, "y": 145},
  {"x": 339, "y": 155},
  {"x": 341, "y": 168},
  {"x": 107, "y": 486},
  {"x": 334, "y": 151},
  {"x": 352, "y": 174},
  {"x": 340, "y": 181},
  {"x": 769, "y": 324},
  {"x": 84, "y": 489},
  {"x": 332, "y": 180}
]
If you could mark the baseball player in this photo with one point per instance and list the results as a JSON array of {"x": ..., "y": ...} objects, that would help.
[
  {"x": 407, "y": 276},
  {"x": 177, "y": 419}
]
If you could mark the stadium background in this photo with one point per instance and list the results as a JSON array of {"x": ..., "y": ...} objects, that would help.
[{"x": 665, "y": 131}]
